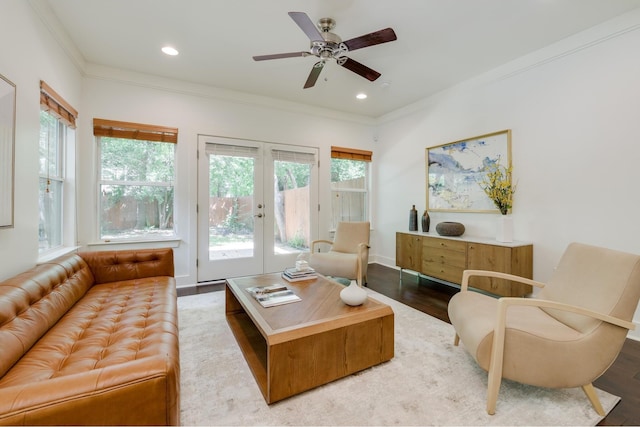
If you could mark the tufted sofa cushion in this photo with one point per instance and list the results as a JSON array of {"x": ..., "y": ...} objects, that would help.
[
  {"x": 114, "y": 323},
  {"x": 113, "y": 266},
  {"x": 34, "y": 301},
  {"x": 85, "y": 353}
]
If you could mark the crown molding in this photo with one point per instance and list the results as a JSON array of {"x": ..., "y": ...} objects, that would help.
[
  {"x": 54, "y": 27},
  {"x": 100, "y": 72}
]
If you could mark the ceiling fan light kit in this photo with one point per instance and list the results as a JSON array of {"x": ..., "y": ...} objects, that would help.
[{"x": 326, "y": 45}]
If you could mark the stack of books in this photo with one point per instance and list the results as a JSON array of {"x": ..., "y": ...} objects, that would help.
[{"x": 295, "y": 275}]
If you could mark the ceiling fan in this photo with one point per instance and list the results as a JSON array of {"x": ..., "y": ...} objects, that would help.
[{"x": 327, "y": 45}]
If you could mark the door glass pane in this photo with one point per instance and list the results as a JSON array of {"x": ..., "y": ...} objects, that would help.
[
  {"x": 292, "y": 172},
  {"x": 231, "y": 189}
]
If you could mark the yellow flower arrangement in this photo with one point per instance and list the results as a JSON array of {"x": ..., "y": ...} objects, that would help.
[{"x": 497, "y": 185}]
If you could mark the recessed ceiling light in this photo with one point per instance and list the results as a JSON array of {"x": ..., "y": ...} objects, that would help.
[
  {"x": 170, "y": 51},
  {"x": 361, "y": 96}
]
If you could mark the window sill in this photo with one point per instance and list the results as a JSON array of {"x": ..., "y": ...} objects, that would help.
[
  {"x": 51, "y": 255},
  {"x": 173, "y": 242}
]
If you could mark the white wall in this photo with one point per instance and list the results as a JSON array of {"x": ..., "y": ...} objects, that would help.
[
  {"x": 573, "y": 110},
  {"x": 117, "y": 95},
  {"x": 29, "y": 54}
]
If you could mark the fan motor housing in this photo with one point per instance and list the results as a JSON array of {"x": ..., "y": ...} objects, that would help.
[{"x": 330, "y": 37}]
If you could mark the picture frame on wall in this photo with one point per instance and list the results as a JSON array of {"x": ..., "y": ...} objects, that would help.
[
  {"x": 7, "y": 150},
  {"x": 456, "y": 169}
]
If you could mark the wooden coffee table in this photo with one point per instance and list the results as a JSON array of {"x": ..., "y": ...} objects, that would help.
[{"x": 298, "y": 346}]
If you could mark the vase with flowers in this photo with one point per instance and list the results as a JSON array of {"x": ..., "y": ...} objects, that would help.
[{"x": 498, "y": 187}]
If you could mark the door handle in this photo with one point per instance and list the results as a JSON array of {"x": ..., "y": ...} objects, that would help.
[{"x": 259, "y": 215}]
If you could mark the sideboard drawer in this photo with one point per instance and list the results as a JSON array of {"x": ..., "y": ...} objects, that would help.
[
  {"x": 450, "y": 273},
  {"x": 444, "y": 256},
  {"x": 452, "y": 245}
]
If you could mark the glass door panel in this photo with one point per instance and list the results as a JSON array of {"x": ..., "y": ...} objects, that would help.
[
  {"x": 231, "y": 231},
  {"x": 294, "y": 195},
  {"x": 229, "y": 215},
  {"x": 238, "y": 233}
]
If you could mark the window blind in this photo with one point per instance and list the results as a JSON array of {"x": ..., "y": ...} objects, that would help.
[
  {"x": 293, "y": 157},
  {"x": 231, "y": 150},
  {"x": 138, "y": 131},
  {"x": 54, "y": 104},
  {"x": 350, "y": 154}
]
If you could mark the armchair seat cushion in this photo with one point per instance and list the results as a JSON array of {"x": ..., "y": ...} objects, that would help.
[
  {"x": 334, "y": 263},
  {"x": 535, "y": 342},
  {"x": 349, "y": 253}
]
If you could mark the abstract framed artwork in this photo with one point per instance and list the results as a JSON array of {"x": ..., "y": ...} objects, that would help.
[
  {"x": 7, "y": 148},
  {"x": 456, "y": 169}
]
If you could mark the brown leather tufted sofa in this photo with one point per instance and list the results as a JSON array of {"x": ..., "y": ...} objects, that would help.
[{"x": 91, "y": 338}]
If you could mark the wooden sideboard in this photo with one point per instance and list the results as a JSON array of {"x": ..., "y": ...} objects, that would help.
[{"x": 445, "y": 258}]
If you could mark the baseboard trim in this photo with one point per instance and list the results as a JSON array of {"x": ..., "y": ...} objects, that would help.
[{"x": 201, "y": 288}]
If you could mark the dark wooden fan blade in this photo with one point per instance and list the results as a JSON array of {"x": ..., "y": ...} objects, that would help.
[
  {"x": 280, "y": 55},
  {"x": 360, "y": 69},
  {"x": 313, "y": 75},
  {"x": 306, "y": 25},
  {"x": 382, "y": 36}
]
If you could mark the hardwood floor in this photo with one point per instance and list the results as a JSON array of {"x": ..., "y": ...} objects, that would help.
[{"x": 621, "y": 379}]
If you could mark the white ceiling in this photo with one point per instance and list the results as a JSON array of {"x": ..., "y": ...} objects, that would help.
[{"x": 440, "y": 42}]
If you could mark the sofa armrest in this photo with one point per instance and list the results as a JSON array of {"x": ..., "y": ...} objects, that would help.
[
  {"x": 115, "y": 266},
  {"x": 140, "y": 392}
]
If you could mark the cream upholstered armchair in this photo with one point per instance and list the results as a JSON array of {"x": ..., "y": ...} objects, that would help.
[
  {"x": 348, "y": 254},
  {"x": 565, "y": 337}
]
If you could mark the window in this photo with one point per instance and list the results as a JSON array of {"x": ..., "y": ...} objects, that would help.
[
  {"x": 136, "y": 180},
  {"x": 57, "y": 124},
  {"x": 349, "y": 185}
]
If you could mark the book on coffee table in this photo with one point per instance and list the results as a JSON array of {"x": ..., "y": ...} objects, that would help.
[
  {"x": 294, "y": 275},
  {"x": 272, "y": 295}
]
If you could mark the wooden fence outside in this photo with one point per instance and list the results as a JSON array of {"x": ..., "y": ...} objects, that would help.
[
  {"x": 350, "y": 206},
  {"x": 295, "y": 213}
]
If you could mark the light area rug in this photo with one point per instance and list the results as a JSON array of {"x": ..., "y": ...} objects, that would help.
[{"x": 428, "y": 382}]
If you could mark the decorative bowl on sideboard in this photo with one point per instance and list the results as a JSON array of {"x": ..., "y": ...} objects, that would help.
[{"x": 449, "y": 228}]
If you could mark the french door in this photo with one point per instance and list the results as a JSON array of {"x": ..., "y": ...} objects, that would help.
[{"x": 257, "y": 206}]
